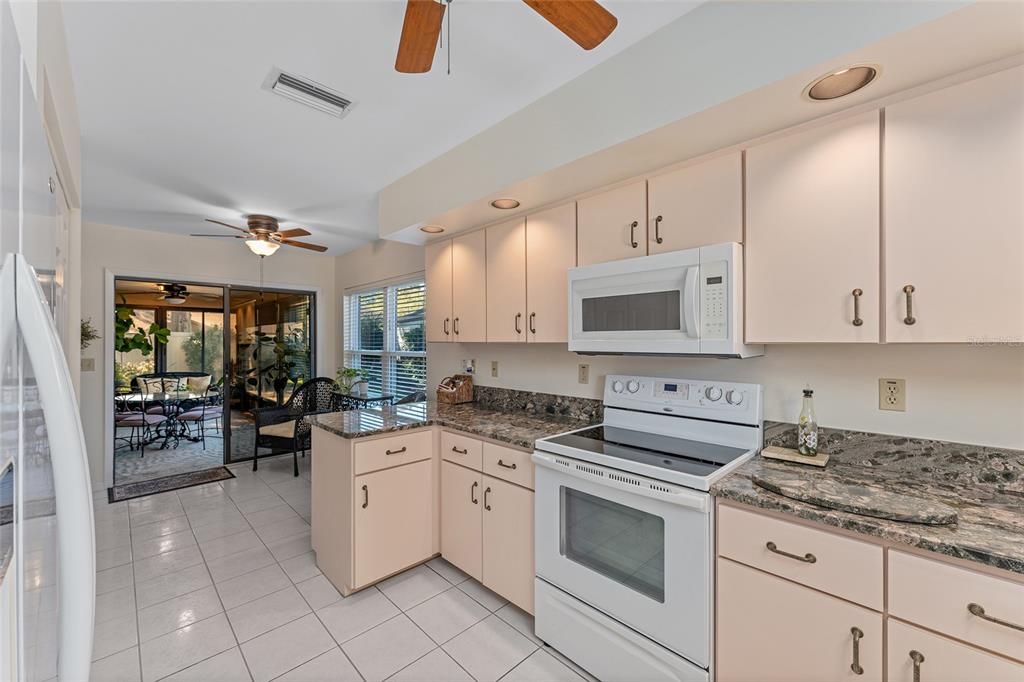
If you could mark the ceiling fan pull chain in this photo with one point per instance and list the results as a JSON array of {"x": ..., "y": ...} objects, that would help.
[
  {"x": 449, "y": 18},
  {"x": 440, "y": 34}
]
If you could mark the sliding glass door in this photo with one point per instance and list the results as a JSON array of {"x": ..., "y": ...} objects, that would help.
[{"x": 271, "y": 353}]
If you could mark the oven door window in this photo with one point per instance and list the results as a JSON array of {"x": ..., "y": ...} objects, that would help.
[
  {"x": 650, "y": 311},
  {"x": 621, "y": 543}
]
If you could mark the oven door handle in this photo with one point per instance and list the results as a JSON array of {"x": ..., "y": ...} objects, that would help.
[{"x": 665, "y": 492}]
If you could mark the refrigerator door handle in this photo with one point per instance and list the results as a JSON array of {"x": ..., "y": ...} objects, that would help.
[{"x": 76, "y": 539}]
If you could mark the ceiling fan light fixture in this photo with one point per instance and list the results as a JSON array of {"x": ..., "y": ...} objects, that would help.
[
  {"x": 432, "y": 229},
  {"x": 176, "y": 299},
  {"x": 262, "y": 247},
  {"x": 505, "y": 204},
  {"x": 841, "y": 83}
]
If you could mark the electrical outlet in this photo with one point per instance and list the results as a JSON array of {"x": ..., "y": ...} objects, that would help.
[
  {"x": 892, "y": 394},
  {"x": 584, "y": 374},
  {"x": 494, "y": 369}
]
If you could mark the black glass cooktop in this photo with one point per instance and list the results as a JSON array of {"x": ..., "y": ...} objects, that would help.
[{"x": 666, "y": 452}]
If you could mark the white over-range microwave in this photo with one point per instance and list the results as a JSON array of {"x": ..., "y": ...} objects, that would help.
[{"x": 680, "y": 303}]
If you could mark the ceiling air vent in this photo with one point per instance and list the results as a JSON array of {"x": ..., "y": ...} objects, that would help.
[{"x": 308, "y": 92}]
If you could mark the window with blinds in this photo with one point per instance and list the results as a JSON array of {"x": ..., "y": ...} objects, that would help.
[{"x": 385, "y": 336}]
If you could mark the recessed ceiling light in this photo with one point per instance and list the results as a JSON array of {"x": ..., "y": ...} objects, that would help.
[
  {"x": 432, "y": 229},
  {"x": 841, "y": 83},
  {"x": 505, "y": 204}
]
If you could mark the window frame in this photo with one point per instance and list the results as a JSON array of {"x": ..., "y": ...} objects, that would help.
[{"x": 389, "y": 355}]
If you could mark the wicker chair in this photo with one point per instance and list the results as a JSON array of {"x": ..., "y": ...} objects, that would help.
[{"x": 287, "y": 426}]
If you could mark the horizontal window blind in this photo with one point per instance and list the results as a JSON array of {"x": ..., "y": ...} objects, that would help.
[{"x": 385, "y": 336}]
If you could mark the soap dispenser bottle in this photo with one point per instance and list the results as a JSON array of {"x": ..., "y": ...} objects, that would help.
[{"x": 807, "y": 426}]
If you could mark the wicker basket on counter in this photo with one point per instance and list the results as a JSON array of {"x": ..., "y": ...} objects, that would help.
[{"x": 455, "y": 389}]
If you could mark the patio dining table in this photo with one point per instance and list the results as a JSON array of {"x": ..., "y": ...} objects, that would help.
[{"x": 136, "y": 401}]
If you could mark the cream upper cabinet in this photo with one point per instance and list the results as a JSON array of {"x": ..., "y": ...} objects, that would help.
[
  {"x": 469, "y": 287},
  {"x": 812, "y": 242},
  {"x": 773, "y": 630},
  {"x": 954, "y": 216},
  {"x": 613, "y": 224},
  {"x": 550, "y": 254},
  {"x": 508, "y": 541},
  {"x": 506, "y": 281},
  {"x": 696, "y": 205},
  {"x": 937, "y": 659},
  {"x": 461, "y": 534},
  {"x": 439, "y": 290}
]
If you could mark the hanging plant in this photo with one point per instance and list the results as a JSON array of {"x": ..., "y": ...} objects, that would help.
[{"x": 89, "y": 332}]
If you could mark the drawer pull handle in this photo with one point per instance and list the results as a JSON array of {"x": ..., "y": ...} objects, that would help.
[
  {"x": 366, "y": 497},
  {"x": 507, "y": 466},
  {"x": 857, "y": 293},
  {"x": 909, "y": 291},
  {"x": 858, "y": 634},
  {"x": 460, "y": 452},
  {"x": 472, "y": 493},
  {"x": 396, "y": 452},
  {"x": 632, "y": 234},
  {"x": 657, "y": 230},
  {"x": 979, "y": 611},
  {"x": 918, "y": 658},
  {"x": 519, "y": 329},
  {"x": 487, "y": 505},
  {"x": 806, "y": 558}
]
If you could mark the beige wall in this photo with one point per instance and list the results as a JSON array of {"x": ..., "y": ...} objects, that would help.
[
  {"x": 959, "y": 393},
  {"x": 165, "y": 256}
]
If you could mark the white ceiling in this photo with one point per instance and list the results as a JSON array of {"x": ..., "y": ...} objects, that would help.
[{"x": 176, "y": 128}]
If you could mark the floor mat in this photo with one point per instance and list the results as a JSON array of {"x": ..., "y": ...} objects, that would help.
[{"x": 119, "y": 493}]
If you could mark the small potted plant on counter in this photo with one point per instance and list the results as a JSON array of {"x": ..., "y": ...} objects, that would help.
[{"x": 347, "y": 378}]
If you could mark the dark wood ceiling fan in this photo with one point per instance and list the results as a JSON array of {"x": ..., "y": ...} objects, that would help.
[
  {"x": 263, "y": 230},
  {"x": 586, "y": 22}
]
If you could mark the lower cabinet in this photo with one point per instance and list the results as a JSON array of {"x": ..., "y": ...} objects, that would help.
[
  {"x": 770, "y": 629},
  {"x": 392, "y": 531},
  {"x": 919, "y": 656},
  {"x": 487, "y": 531}
]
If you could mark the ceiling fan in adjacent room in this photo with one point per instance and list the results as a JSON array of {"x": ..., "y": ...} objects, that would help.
[
  {"x": 264, "y": 236},
  {"x": 175, "y": 294},
  {"x": 586, "y": 22}
]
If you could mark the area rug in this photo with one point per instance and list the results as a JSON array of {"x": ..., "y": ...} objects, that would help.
[{"x": 119, "y": 493}]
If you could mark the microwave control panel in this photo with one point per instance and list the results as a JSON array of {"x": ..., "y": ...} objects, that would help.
[{"x": 714, "y": 300}]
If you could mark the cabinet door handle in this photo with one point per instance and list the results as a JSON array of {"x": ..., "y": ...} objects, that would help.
[
  {"x": 632, "y": 234},
  {"x": 396, "y": 452},
  {"x": 533, "y": 323},
  {"x": 472, "y": 493},
  {"x": 918, "y": 658},
  {"x": 455, "y": 326},
  {"x": 446, "y": 326},
  {"x": 657, "y": 230},
  {"x": 366, "y": 497},
  {"x": 979, "y": 611},
  {"x": 487, "y": 505},
  {"x": 806, "y": 558},
  {"x": 460, "y": 452},
  {"x": 519, "y": 316},
  {"x": 858, "y": 634},
  {"x": 857, "y": 293},
  {"x": 909, "y": 291},
  {"x": 507, "y": 466}
]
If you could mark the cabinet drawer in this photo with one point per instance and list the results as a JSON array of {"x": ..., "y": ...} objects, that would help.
[
  {"x": 388, "y": 452},
  {"x": 825, "y": 561},
  {"x": 462, "y": 449},
  {"x": 514, "y": 466},
  {"x": 936, "y": 596},
  {"x": 943, "y": 660}
]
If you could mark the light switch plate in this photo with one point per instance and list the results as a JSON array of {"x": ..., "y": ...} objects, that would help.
[
  {"x": 584, "y": 374},
  {"x": 892, "y": 395}
]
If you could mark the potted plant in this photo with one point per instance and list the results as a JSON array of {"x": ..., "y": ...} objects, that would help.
[
  {"x": 89, "y": 333},
  {"x": 129, "y": 337},
  {"x": 347, "y": 378}
]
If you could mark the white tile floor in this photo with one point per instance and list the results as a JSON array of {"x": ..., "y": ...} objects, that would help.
[{"x": 218, "y": 582}]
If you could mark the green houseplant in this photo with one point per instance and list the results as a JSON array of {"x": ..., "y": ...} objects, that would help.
[
  {"x": 128, "y": 337},
  {"x": 347, "y": 377}
]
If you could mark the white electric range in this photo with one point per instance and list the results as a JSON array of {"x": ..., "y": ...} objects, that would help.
[{"x": 624, "y": 525}]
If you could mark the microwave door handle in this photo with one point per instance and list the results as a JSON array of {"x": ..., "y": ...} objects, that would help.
[{"x": 691, "y": 291}]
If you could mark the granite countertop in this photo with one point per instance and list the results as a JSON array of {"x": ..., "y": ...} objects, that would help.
[
  {"x": 984, "y": 485},
  {"x": 515, "y": 427}
]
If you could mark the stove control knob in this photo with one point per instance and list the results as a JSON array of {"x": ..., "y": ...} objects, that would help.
[
  {"x": 713, "y": 393},
  {"x": 617, "y": 386},
  {"x": 633, "y": 386},
  {"x": 734, "y": 397}
]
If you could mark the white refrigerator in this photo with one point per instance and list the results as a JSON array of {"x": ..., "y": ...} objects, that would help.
[{"x": 47, "y": 542}]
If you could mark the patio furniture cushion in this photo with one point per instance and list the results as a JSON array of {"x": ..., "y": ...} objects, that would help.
[
  {"x": 200, "y": 414},
  {"x": 163, "y": 409},
  {"x": 280, "y": 430},
  {"x": 149, "y": 385},
  {"x": 198, "y": 384},
  {"x": 140, "y": 419}
]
